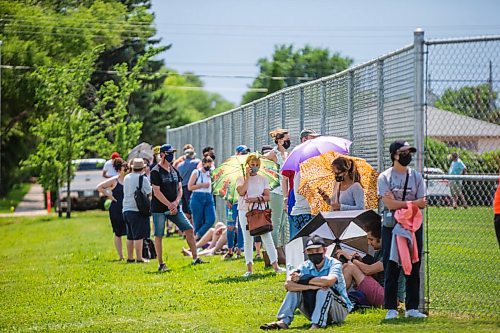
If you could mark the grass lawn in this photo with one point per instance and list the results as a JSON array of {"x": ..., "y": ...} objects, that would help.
[
  {"x": 14, "y": 197},
  {"x": 61, "y": 275}
]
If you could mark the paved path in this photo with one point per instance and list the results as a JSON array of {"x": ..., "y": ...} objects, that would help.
[{"x": 32, "y": 204}]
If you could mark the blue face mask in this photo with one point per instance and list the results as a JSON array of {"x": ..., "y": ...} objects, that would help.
[
  {"x": 254, "y": 169},
  {"x": 169, "y": 158}
]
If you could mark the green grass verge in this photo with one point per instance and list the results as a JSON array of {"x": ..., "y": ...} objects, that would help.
[
  {"x": 61, "y": 275},
  {"x": 14, "y": 197}
]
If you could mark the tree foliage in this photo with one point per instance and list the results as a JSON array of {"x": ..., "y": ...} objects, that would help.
[{"x": 289, "y": 67}]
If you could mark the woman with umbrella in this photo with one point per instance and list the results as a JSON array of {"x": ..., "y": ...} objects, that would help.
[{"x": 253, "y": 190}]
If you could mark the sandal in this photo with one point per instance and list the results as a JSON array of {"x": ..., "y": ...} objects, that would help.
[{"x": 275, "y": 325}]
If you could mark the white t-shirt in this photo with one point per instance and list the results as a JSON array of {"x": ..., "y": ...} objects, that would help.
[
  {"x": 256, "y": 186},
  {"x": 301, "y": 203},
  {"x": 108, "y": 167},
  {"x": 202, "y": 177},
  {"x": 130, "y": 184}
]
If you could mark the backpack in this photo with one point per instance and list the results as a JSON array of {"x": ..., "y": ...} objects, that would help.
[
  {"x": 148, "y": 249},
  {"x": 142, "y": 200}
]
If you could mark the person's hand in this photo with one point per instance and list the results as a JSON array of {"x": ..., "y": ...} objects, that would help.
[
  {"x": 343, "y": 253},
  {"x": 389, "y": 195},
  {"x": 295, "y": 277},
  {"x": 285, "y": 204},
  {"x": 324, "y": 196},
  {"x": 335, "y": 206},
  {"x": 247, "y": 172},
  {"x": 421, "y": 203},
  {"x": 219, "y": 231},
  {"x": 112, "y": 198}
]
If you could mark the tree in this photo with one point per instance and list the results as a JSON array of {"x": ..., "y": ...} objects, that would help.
[
  {"x": 288, "y": 67},
  {"x": 472, "y": 101}
]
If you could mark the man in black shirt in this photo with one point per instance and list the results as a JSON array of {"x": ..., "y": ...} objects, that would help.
[{"x": 167, "y": 193}]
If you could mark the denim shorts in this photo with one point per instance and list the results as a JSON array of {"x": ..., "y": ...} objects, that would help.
[{"x": 179, "y": 219}]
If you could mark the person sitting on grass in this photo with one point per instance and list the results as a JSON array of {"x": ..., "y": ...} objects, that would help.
[
  {"x": 214, "y": 240},
  {"x": 316, "y": 288}
]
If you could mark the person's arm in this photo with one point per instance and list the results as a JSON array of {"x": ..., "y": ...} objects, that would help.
[
  {"x": 161, "y": 197},
  {"x": 105, "y": 187},
  {"x": 359, "y": 198},
  {"x": 294, "y": 286},
  {"x": 105, "y": 170},
  {"x": 271, "y": 155},
  {"x": 242, "y": 187},
  {"x": 192, "y": 180},
  {"x": 330, "y": 279},
  {"x": 179, "y": 195},
  {"x": 369, "y": 269}
]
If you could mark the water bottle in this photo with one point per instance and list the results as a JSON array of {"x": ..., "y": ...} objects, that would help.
[{"x": 230, "y": 215}]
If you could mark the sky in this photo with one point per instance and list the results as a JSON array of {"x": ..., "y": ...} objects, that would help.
[{"x": 221, "y": 40}]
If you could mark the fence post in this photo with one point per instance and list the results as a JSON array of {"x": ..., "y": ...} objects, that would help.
[
  {"x": 167, "y": 128},
  {"x": 268, "y": 108},
  {"x": 283, "y": 110},
  {"x": 322, "y": 104},
  {"x": 380, "y": 116},
  {"x": 302, "y": 109},
  {"x": 418, "y": 49},
  {"x": 254, "y": 110},
  {"x": 350, "y": 105}
]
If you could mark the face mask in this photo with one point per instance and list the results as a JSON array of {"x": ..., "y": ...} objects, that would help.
[
  {"x": 404, "y": 160},
  {"x": 316, "y": 258},
  {"x": 169, "y": 157},
  {"x": 286, "y": 144},
  {"x": 339, "y": 178},
  {"x": 254, "y": 169},
  {"x": 206, "y": 168},
  {"x": 212, "y": 156}
]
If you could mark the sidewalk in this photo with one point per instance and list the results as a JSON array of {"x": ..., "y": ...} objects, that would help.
[{"x": 32, "y": 204}]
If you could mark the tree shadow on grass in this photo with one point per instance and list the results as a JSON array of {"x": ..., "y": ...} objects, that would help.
[{"x": 238, "y": 279}]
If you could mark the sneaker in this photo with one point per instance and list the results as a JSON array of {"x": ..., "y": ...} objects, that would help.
[
  {"x": 143, "y": 260},
  {"x": 247, "y": 274},
  {"x": 162, "y": 268},
  {"x": 258, "y": 257},
  {"x": 198, "y": 261},
  {"x": 280, "y": 270},
  {"x": 129, "y": 261},
  {"x": 391, "y": 314},
  {"x": 414, "y": 314}
]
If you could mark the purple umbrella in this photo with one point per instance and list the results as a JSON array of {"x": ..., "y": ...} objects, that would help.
[{"x": 315, "y": 147}]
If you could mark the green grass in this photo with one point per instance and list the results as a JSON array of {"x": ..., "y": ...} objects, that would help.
[
  {"x": 14, "y": 197},
  {"x": 61, "y": 275}
]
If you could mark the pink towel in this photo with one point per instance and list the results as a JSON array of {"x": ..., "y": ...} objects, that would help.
[{"x": 409, "y": 218}]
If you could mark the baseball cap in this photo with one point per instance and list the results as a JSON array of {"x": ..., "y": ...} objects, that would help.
[
  {"x": 114, "y": 155},
  {"x": 308, "y": 132},
  {"x": 314, "y": 242},
  {"x": 401, "y": 145},
  {"x": 166, "y": 148},
  {"x": 242, "y": 149}
]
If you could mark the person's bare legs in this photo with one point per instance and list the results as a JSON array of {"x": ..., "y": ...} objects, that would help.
[
  {"x": 352, "y": 272},
  {"x": 138, "y": 249},
  {"x": 118, "y": 246},
  {"x": 462, "y": 197},
  {"x": 159, "y": 249},
  {"x": 258, "y": 246},
  {"x": 130, "y": 249},
  {"x": 454, "y": 200},
  {"x": 191, "y": 242},
  {"x": 207, "y": 237}
]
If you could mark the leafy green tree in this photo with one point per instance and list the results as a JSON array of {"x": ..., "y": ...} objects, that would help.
[
  {"x": 472, "y": 101},
  {"x": 289, "y": 67}
]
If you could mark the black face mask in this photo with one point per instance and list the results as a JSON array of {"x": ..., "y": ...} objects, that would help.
[
  {"x": 207, "y": 168},
  {"x": 212, "y": 156},
  {"x": 286, "y": 144},
  {"x": 339, "y": 178},
  {"x": 404, "y": 160},
  {"x": 316, "y": 258}
]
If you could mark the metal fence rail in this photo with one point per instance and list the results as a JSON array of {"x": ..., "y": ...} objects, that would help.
[{"x": 440, "y": 95}]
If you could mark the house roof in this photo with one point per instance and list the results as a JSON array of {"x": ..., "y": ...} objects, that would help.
[{"x": 441, "y": 123}]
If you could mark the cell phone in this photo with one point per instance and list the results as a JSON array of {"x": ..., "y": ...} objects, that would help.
[{"x": 323, "y": 195}]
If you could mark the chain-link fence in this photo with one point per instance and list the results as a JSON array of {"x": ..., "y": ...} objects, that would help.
[
  {"x": 462, "y": 81},
  {"x": 377, "y": 102}
]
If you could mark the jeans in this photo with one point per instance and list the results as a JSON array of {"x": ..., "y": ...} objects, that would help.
[
  {"x": 392, "y": 272},
  {"x": 236, "y": 231},
  {"x": 327, "y": 309},
  {"x": 203, "y": 212},
  {"x": 267, "y": 239},
  {"x": 297, "y": 222}
]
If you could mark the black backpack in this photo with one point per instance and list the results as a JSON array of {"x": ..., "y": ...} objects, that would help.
[
  {"x": 142, "y": 200},
  {"x": 148, "y": 249}
]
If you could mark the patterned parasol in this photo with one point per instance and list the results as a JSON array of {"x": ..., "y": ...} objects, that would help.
[{"x": 317, "y": 173}]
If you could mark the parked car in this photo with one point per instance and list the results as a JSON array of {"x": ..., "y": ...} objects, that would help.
[
  {"x": 83, "y": 195},
  {"x": 438, "y": 190}
]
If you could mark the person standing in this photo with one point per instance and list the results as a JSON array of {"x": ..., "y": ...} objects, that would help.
[
  {"x": 397, "y": 186},
  {"x": 167, "y": 194},
  {"x": 112, "y": 189},
  {"x": 457, "y": 167},
  {"x": 138, "y": 226},
  {"x": 107, "y": 170},
  {"x": 186, "y": 168},
  {"x": 202, "y": 201},
  {"x": 253, "y": 190}
]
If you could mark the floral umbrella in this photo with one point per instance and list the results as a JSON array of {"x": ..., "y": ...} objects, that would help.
[
  {"x": 317, "y": 173},
  {"x": 225, "y": 175}
]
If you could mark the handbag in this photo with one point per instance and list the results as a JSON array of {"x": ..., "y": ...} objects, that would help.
[{"x": 259, "y": 220}]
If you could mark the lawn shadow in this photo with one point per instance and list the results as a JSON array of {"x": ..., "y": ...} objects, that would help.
[
  {"x": 402, "y": 321},
  {"x": 157, "y": 272},
  {"x": 237, "y": 279}
]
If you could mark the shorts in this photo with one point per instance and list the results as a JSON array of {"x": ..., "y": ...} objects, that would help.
[
  {"x": 456, "y": 187},
  {"x": 179, "y": 219},
  {"x": 137, "y": 225},
  {"x": 186, "y": 196},
  {"x": 373, "y": 290}
]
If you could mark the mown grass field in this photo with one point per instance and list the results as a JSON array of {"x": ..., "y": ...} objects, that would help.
[{"x": 61, "y": 275}]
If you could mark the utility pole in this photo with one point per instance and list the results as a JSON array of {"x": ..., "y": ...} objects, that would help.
[{"x": 0, "y": 110}]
